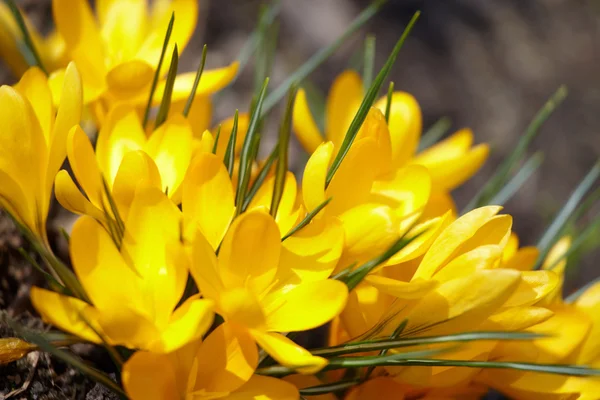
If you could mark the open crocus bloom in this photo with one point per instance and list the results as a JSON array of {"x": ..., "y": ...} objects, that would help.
[
  {"x": 133, "y": 289},
  {"x": 125, "y": 158},
  {"x": 127, "y": 39},
  {"x": 376, "y": 204},
  {"x": 221, "y": 366},
  {"x": 266, "y": 287},
  {"x": 34, "y": 147},
  {"x": 450, "y": 162}
]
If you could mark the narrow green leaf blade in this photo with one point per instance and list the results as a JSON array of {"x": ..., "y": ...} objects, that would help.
[
  {"x": 517, "y": 181},
  {"x": 388, "y": 102},
  {"x": 192, "y": 96},
  {"x": 261, "y": 176},
  {"x": 306, "y": 220},
  {"x": 369, "y": 60},
  {"x": 165, "y": 104},
  {"x": 35, "y": 59},
  {"x": 229, "y": 159}
]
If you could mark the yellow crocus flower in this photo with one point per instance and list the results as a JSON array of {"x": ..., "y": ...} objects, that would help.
[
  {"x": 125, "y": 157},
  {"x": 134, "y": 290},
  {"x": 34, "y": 144},
  {"x": 221, "y": 366},
  {"x": 450, "y": 162},
  {"x": 265, "y": 287}
]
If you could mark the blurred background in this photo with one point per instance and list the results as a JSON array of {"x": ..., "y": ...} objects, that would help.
[{"x": 488, "y": 65}]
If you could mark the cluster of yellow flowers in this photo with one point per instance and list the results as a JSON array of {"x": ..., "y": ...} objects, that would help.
[{"x": 422, "y": 302}]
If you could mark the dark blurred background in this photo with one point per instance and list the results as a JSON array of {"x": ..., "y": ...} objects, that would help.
[{"x": 488, "y": 65}]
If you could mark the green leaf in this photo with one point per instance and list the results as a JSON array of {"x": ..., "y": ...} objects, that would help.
[
  {"x": 306, "y": 220},
  {"x": 517, "y": 181},
  {"x": 282, "y": 161},
  {"x": 397, "y": 332},
  {"x": 261, "y": 176},
  {"x": 577, "y": 294},
  {"x": 68, "y": 358},
  {"x": 165, "y": 103},
  {"x": 229, "y": 159},
  {"x": 502, "y": 173},
  {"x": 318, "y": 58},
  {"x": 551, "y": 234},
  {"x": 192, "y": 96},
  {"x": 369, "y": 60},
  {"x": 157, "y": 72},
  {"x": 216, "y": 142},
  {"x": 388, "y": 102},
  {"x": 248, "y": 149},
  {"x": 33, "y": 58},
  {"x": 434, "y": 133},
  {"x": 370, "y": 97}
]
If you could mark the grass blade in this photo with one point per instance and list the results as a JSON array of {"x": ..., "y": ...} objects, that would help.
[
  {"x": 369, "y": 60},
  {"x": 246, "y": 155},
  {"x": 192, "y": 96},
  {"x": 282, "y": 161},
  {"x": 261, "y": 176},
  {"x": 157, "y": 72},
  {"x": 388, "y": 102},
  {"x": 435, "y": 133},
  {"x": 318, "y": 58},
  {"x": 370, "y": 97},
  {"x": 517, "y": 181},
  {"x": 579, "y": 241},
  {"x": 165, "y": 103},
  {"x": 34, "y": 59},
  {"x": 229, "y": 159},
  {"x": 551, "y": 234},
  {"x": 306, "y": 220},
  {"x": 503, "y": 171},
  {"x": 216, "y": 142}
]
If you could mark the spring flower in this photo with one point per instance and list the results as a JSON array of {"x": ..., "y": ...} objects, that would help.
[
  {"x": 34, "y": 145},
  {"x": 221, "y": 366},
  {"x": 125, "y": 158},
  {"x": 127, "y": 39},
  {"x": 264, "y": 287},
  {"x": 51, "y": 48},
  {"x": 134, "y": 289},
  {"x": 376, "y": 205}
]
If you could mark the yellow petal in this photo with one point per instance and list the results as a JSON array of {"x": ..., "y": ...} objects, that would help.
[
  {"x": 127, "y": 327},
  {"x": 242, "y": 307},
  {"x": 199, "y": 116},
  {"x": 121, "y": 133},
  {"x": 516, "y": 319},
  {"x": 304, "y": 125},
  {"x": 482, "y": 257},
  {"x": 405, "y": 125},
  {"x": 439, "y": 203},
  {"x": 204, "y": 268},
  {"x": 265, "y": 388},
  {"x": 124, "y": 26},
  {"x": 13, "y": 349},
  {"x": 186, "y": 12},
  {"x": 226, "y": 360},
  {"x": 99, "y": 265},
  {"x": 150, "y": 376},
  {"x": 68, "y": 116},
  {"x": 34, "y": 87},
  {"x": 208, "y": 199},
  {"x": 365, "y": 309},
  {"x": 287, "y": 215},
  {"x": 129, "y": 78},
  {"x": 10, "y": 36},
  {"x": 288, "y": 353},
  {"x": 377, "y": 388},
  {"x": 534, "y": 286},
  {"x": 588, "y": 304},
  {"x": 343, "y": 101},
  {"x": 67, "y": 313},
  {"x": 14, "y": 201},
  {"x": 312, "y": 253},
  {"x": 495, "y": 232},
  {"x": 375, "y": 126},
  {"x": 351, "y": 184},
  {"x": 523, "y": 260},
  {"x": 556, "y": 254},
  {"x": 447, "y": 150},
  {"x": 452, "y": 238},
  {"x": 189, "y": 323},
  {"x": 226, "y": 128},
  {"x": 399, "y": 289},
  {"x": 249, "y": 254},
  {"x": 80, "y": 37},
  {"x": 85, "y": 168},
  {"x": 69, "y": 196},
  {"x": 137, "y": 169},
  {"x": 315, "y": 172},
  {"x": 306, "y": 306},
  {"x": 171, "y": 148}
]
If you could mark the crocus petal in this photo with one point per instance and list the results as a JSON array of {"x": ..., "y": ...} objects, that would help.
[
  {"x": 34, "y": 87},
  {"x": 306, "y": 306},
  {"x": 85, "y": 168},
  {"x": 67, "y": 313},
  {"x": 150, "y": 376},
  {"x": 482, "y": 257},
  {"x": 588, "y": 303},
  {"x": 186, "y": 12},
  {"x": 377, "y": 388},
  {"x": 13, "y": 199},
  {"x": 225, "y": 135},
  {"x": 188, "y": 324},
  {"x": 226, "y": 360},
  {"x": 534, "y": 286},
  {"x": 365, "y": 309},
  {"x": 265, "y": 388},
  {"x": 312, "y": 253},
  {"x": 516, "y": 319},
  {"x": 121, "y": 133},
  {"x": 452, "y": 238},
  {"x": 129, "y": 78},
  {"x": 199, "y": 116},
  {"x": 304, "y": 125},
  {"x": 343, "y": 101},
  {"x": 9, "y": 42},
  {"x": 250, "y": 251},
  {"x": 375, "y": 127},
  {"x": 204, "y": 268},
  {"x": 69, "y": 196},
  {"x": 523, "y": 260},
  {"x": 405, "y": 125},
  {"x": 242, "y": 307},
  {"x": 171, "y": 148},
  {"x": 98, "y": 265},
  {"x": 447, "y": 150},
  {"x": 315, "y": 173},
  {"x": 124, "y": 26},
  {"x": 556, "y": 256},
  {"x": 351, "y": 184},
  {"x": 399, "y": 289},
  {"x": 439, "y": 203},
  {"x": 495, "y": 232},
  {"x": 288, "y": 353}
]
